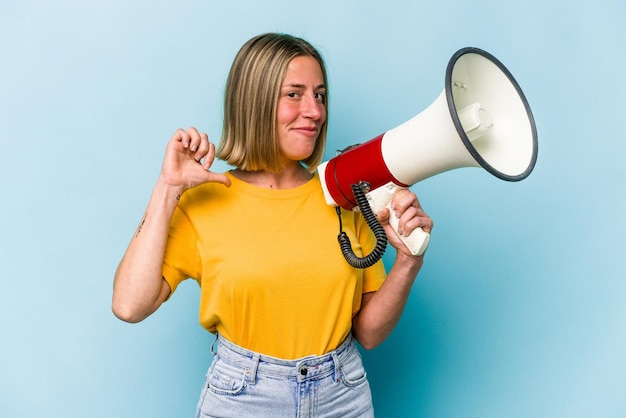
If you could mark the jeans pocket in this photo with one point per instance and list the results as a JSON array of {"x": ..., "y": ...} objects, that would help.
[
  {"x": 226, "y": 379},
  {"x": 353, "y": 372}
]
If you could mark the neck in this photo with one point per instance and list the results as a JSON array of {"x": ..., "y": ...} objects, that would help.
[{"x": 291, "y": 177}]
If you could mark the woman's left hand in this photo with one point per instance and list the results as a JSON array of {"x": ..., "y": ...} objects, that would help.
[
  {"x": 381, "y": 310},
  {"x": 411, "y": 216}
]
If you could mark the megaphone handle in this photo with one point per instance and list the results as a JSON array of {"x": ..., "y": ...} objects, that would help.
[
  {"x": 380, "y": 198},
  {"x": 417, "y": 241}
]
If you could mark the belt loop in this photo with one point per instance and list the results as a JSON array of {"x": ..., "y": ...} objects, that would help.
[
  {"x": 253, "y": 369},
  {"x": 213, "y": 344},
  {"x": 337, "y": 365}
]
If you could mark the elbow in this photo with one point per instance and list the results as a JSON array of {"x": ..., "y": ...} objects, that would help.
[
  {"x": 368, "y": 343},
  {"x": 136, "y": 305},
  {"x": 369, "y": 336},
  {"x": 126, "y": 313}
]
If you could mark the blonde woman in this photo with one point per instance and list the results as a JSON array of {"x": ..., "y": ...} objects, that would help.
[{"x": 285, "y": 306}]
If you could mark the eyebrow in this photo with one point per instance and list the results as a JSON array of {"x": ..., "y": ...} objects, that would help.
[{"x": 301, "y": 86}]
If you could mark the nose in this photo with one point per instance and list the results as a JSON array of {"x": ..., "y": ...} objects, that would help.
[{"x": 312, "y": 108}]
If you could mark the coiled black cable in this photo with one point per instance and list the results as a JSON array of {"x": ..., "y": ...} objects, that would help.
[{"x": 379, "y": 232}]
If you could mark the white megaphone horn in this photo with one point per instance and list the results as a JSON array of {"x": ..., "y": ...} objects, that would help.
[{"x": 480, "y": 119}]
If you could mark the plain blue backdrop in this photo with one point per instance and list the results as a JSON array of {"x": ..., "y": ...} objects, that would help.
[{"x": 519, "y": 310}]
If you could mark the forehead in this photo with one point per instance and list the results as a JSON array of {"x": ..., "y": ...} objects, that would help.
[{"x": 304, "y": 70}]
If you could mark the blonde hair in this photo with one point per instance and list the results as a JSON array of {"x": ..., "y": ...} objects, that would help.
[{"x": 249, "y": 137}]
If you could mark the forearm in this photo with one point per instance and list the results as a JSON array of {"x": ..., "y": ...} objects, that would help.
[
  {"x": 382, "y": 310},
  {"x": 138, "y": 283}
]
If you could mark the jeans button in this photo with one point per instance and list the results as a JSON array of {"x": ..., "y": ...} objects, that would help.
[{"x": 303, "y": 371}]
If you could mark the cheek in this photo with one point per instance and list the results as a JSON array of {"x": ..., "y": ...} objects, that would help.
[{"x": 285, "y": 113}]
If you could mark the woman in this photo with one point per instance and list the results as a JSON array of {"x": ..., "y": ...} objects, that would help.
[{"x": 261, "y": 242}]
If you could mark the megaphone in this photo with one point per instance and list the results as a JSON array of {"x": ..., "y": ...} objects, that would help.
[{"x": 480, "y": 119}]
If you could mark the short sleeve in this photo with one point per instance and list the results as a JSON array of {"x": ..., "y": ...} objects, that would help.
[{"x": 181, "y": 260}]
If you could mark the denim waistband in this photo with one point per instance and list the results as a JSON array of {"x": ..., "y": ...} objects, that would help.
[{"x": 305, "y": 368}]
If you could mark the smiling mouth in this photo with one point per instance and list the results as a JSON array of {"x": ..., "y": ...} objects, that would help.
[{"x": 308, "y": 130}]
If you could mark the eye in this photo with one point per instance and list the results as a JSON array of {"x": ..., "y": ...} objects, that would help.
[{"x": 320, "y": 96}]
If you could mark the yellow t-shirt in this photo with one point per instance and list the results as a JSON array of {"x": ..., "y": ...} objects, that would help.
[{"x": 269, "y": 266}]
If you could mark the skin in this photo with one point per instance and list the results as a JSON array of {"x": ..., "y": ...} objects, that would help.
[{"x": 139, "y": 288}]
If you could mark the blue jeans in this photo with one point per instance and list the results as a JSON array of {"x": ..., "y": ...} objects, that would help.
[{"x": 242, "y": 383}]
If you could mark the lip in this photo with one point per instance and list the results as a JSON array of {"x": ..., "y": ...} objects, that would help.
[{"x": 307, "y": 130}]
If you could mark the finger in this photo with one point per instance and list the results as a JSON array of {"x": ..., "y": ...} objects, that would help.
[
  {"x": 405, "y": 207},
  {"x": 403, "y": 200},
  {"x": 410, "y": 214},
  {"x": 209, "y": 157},
  {"x": 218, "y": 178},
  {"x": 181, "y": 136},
  {"x": 383, "y": 216},
  {"x": 194, "y": 138},
  {"x": 423, "y": 222},
  {"x": 203, "y": 147},
  {"x": 406, "y": 223}
]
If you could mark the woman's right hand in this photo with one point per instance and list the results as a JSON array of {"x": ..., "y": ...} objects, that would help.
[
  {"x": 188, "y": 159},
  {"x": 139, "y": 287}
]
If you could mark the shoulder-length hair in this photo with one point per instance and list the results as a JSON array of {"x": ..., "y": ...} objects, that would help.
[{"x": 249, "y": 135}]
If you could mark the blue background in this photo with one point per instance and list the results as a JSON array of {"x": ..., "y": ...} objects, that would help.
[{"x": 519, "y": 310}]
